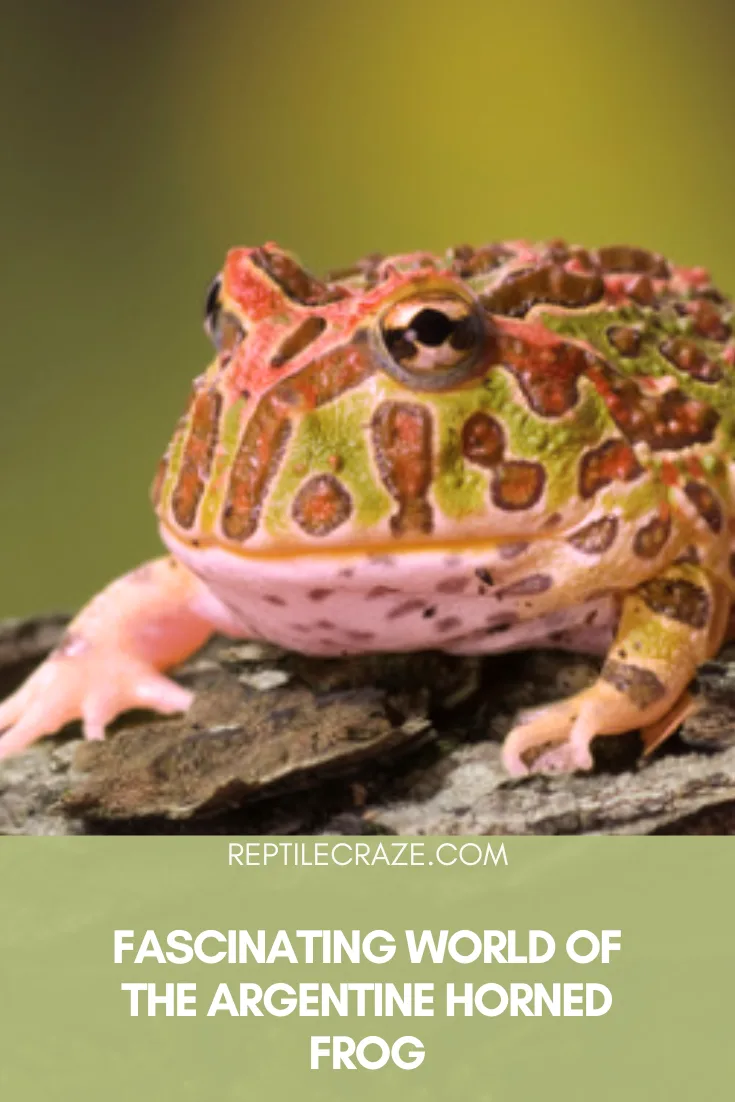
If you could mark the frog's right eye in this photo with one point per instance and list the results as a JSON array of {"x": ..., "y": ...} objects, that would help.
[{"x": 224, "y": 329}]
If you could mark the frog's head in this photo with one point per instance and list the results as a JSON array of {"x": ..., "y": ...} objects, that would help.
[{"x": 359, "y": 411}]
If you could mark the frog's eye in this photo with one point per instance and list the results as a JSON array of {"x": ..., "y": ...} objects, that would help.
[
  {"x": 432, "y": 341},
  {"x": 224, "y": 329}
]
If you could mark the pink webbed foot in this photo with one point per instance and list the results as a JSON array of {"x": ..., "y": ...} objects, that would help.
[
  {"x": 93, "y": 686},
  {"x": 111, "y": 658}
]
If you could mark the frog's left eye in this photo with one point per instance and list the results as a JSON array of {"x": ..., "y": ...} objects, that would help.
[
  {"x": 432, "y": 341},
  {"x": 225, "y": 330}
]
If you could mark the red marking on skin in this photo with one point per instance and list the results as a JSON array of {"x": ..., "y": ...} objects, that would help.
[
  {"x": 529, "y": 332},
  {"x": 693, "y": 277},
  {"x": 622, "y": 463},
  {"x": 250, "y": 287},
  {"x": 670, "y": 475}
]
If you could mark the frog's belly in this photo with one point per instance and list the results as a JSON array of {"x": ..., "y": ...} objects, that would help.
[{"x": 338, "y": 605}]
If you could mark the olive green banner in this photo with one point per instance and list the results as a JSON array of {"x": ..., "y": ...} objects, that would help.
[{"x": 428, "y": 969}]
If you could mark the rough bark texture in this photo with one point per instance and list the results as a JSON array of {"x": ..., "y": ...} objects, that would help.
[{"x": 385, "y": 744}]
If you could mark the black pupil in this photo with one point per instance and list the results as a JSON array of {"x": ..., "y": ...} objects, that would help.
[{"x": 432, "y": 327}]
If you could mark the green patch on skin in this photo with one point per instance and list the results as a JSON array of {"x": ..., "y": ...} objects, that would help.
[
  {"x": 461, "y": 490},
  {"x": 656, "y": 325},
  {"x": 636, "y": 500},
  {"x": 226, "y": 450},
  {"x": 337, "y": 430}
]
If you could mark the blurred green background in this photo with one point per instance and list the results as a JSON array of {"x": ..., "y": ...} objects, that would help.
[{"x": 139, "y": 140}]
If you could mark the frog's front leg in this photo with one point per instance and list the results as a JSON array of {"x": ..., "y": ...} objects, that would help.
[
  {"x": 112, "y": 654},
  {"x": 668, "y": 626}
]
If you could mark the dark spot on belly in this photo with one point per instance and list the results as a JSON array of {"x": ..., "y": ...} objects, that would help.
[
  {"x": 508, "y": 551},
  {"x": 453, "y": 585},
  {"x": 527, "y": 587},
  {"x": 274, "y": 599},
  {"x": 319, "y": 594},
  {"x": 485, "y": 576},
  {"x": 448, "y": 623},
  {"x": 405, "y": 609},
  {"x": 380, "y": 591}
]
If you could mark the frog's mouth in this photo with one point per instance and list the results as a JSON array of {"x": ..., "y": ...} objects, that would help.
[{"x": 377, "y": 551}]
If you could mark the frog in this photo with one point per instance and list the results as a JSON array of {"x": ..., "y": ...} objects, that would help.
[{"x": 493, "y": 448}]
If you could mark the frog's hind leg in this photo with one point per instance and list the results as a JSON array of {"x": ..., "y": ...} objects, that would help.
[{"x": 668, "y": 626}]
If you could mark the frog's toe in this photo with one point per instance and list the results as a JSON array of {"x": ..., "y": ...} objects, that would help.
[
  {"x": 555, "y": 739},
  {"x": 133, "y": 686},
  {"x": 94, "y": 687}
]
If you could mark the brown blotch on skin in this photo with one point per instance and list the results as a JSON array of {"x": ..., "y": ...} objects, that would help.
[
  {"x": 468, "y": 261},
  {"x": 448, "y": 623},
  {"x": 650, "y": 540},
  {"x": 708, "y": 321},
  {"x": 196, "y": 460},
  {"x": 301, "y": 338},
  {"x": 547, "y": 376},
  {"x": 485, "y": 576},
  {"x": 266, "y": 437},
  {"x": 625, "y": 339},
  {"x": 263, "y": 443},
  {"x": 402, "y": 440},
  {"x": 624, "y": 258},
  {"x": 689, "y": 357},
  {"x": 638, "y": 684},
  {"x": 405, "y": 609},
  {"x": 611, "y": 461},
  {"x": 321, "y": 505},
  {"x": 517, "y": 484},
  {"x": 380, "y": 591},
  {"x": 706, "y": 504},
  {"x": 595, "y": 538},
  {"x": 688, "y": 555},
  {"x": 499, "y": 622},
  {"x": 274, "y": 599},
  {"x": 295, "y": 282},
  {"x": 677, "y": 598},
  {"x": 453, "y": 585},
  {"x": 668, "y": 421},
  {"x": 548, "y": 283},
  {"x": 483, "y": 440},
  {"x": 641, "y": 290},
  {"x": 319, "y": 594},
  {"x": 359, "y": 636},
  {"x": 527, "y": 587}
]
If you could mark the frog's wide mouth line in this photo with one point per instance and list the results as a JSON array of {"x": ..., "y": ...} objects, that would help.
[{"x": 382, "y": 550}]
